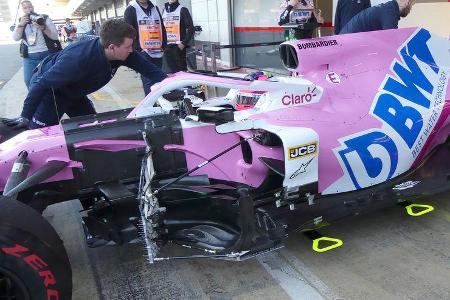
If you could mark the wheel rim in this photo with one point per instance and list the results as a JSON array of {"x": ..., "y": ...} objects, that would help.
[{"x": 12, "y": 287}]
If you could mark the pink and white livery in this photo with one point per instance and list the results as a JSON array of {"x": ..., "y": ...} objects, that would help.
[{"x": 366, "y": 125}]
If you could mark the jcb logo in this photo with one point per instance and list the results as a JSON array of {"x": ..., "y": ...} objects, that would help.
[{"x": 302, "y": 150}]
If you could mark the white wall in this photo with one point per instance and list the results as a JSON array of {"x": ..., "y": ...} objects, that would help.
[
  {"x": 213, "y": 17},
  {"x": 256, "y": 13},
  {"x": 433, "y": 16}
]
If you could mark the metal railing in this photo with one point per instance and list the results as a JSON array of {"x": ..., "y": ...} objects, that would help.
[{"x": 213, "y": 48}]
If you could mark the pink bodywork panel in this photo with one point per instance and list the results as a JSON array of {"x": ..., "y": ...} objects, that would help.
[
  {"x": 42, "y": 145},
  {"x": 351, "y": 73},
  {"x": 231, "y": 166},
  {"x": 362, "y": 62},
  {"x": 351, "y": 70}
]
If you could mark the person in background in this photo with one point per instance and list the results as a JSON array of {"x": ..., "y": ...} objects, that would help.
[
  {"x": 95, "y": 27},
  {"x": 69, "y": 31},
  {"x": 288, "y": 6},
  {"x": 39, "y": 38},
  {"x": 147, "y": 20},
  {"x": 380, "y": 17},
  {"x": 346, "y": 10},
  {"x": 84, "y": 30},
  {"x": 63, "y": 80},
  {"x": 180, "y": 33}
]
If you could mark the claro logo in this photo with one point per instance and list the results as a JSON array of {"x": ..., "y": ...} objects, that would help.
[{"x": 299, "y": 99}]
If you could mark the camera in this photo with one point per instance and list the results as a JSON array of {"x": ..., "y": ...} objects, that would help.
[{"x": 39, "y": 19}]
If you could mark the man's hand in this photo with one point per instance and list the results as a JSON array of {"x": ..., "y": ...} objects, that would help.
[
  {"x": 19, "y": 122},
  {"x": 318, "y": 15},
  {"x": 40, "y": 27},
  {"x": 24, "y": 20},
  {"x": 293, "y": 2},
  {"x": 181, "y": 46}
]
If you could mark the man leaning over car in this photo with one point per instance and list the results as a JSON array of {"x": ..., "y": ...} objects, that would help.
[
  {"x": 381, "y": 17},
  {"x": 63, "y": 80}
]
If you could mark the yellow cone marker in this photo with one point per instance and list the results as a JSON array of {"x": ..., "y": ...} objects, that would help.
[
  {"x": 425, "y": 209},
  {"x": 315, "y": 245}
]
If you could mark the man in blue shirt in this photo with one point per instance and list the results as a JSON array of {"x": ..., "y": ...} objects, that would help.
[
  {"x": 64, "y": 79},
  {"x": 346, "y": 10},
  {"x": 380, "y": 17}
]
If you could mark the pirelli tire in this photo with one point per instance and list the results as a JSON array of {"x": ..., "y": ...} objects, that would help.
[{"x": 33, "y": 260}]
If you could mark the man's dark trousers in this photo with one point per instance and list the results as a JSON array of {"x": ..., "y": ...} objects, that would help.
[{"x": 55, "y": 103}]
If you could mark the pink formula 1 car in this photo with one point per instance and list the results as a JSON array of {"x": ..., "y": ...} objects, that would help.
[{"x": 366, "y": 126}]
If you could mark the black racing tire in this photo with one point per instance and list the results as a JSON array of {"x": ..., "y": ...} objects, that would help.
[{"x": 33, "y": 260}]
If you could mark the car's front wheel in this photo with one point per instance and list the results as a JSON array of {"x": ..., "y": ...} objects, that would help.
[{"x": 33, "y": 261}]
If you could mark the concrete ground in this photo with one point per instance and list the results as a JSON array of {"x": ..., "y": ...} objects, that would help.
[{"x": 386, "y": 255}]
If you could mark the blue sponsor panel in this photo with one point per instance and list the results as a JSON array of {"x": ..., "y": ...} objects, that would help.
[
  {"x": 373, "y": 165},
  {"x": 405, "y": 120},
  {"x": 406, "y": 107}
]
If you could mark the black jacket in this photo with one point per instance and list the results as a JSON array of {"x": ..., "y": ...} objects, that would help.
[
  {"x": 130, "y": 18},
  {"x": 80, "y": 69},
  {"x": 187, "y": 29},
  {"x": 380, "y": 17},
  {"x": 346, "y": 10}
]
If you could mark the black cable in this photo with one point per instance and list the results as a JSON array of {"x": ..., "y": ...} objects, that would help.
[
  {"x": 17, "y": 12},
  {"x": 204, "y": 163}
]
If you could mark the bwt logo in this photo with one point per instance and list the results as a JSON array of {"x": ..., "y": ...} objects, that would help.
[
  {"x": 299, "y": 99},
  {"x": 302, "y": 150},
  {"x": 407, "y": 107}
]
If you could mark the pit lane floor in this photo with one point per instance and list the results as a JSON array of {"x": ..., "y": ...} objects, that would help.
[{"x": 386, "y": 255}]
